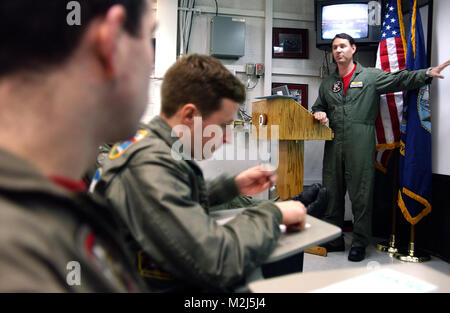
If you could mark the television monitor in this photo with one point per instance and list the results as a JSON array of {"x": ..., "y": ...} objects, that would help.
[{"x": 361, "y": 19}]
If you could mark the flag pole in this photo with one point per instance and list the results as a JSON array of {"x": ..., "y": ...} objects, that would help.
[
  {"x": 389, "y": 246},
  {"x": 418, "y": 136},
  {"x": 412, "y": 255}
]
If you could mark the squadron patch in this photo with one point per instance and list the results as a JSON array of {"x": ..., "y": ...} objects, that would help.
[
  {"x": 148, "y": 269},
  {"x": 337, "y": 86},
  {"x": 119, "y": 148}
]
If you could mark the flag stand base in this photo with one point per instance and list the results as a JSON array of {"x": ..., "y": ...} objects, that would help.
[
  {"x": 411, "y": 255},
  {"x": 388, "y": 246}
]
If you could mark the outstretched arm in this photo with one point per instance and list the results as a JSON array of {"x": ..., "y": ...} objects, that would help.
[{"x": 436, "y": 71}]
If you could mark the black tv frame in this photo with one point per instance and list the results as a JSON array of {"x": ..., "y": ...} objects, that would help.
[{"x": 374, "y": 33}]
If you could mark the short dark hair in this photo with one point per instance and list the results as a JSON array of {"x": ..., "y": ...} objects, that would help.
[
  {"x": 201, "y": 80},
  {"x": 344, "y": 36},
  {"x": 36, "y": 35}
]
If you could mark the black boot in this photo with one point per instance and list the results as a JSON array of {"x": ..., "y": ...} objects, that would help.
[
  {"x": 317, "y": 207},
  {"x": 357, "y": 254},
  {"x": 308, "y": 195}
]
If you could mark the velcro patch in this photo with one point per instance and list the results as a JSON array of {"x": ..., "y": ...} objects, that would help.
[
  {"x": 119, "y": 148},
  {"x": 356, "y": 84},
  {"x": 149, "y": 269}
]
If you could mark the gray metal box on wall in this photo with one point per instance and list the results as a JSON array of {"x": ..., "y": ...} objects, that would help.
[{"x": 227, "y": 37}]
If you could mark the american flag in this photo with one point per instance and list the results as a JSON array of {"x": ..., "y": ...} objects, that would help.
[{"x": 390, "y": 58}]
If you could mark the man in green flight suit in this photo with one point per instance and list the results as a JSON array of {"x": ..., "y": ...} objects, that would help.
[
  {"x": 160, "y": 191},
  {"x": 61, "y": 85},
  {"x": 349, "y": 99}
]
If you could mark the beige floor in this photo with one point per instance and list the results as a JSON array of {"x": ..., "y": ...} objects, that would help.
[{"x": 337, "y": 260}]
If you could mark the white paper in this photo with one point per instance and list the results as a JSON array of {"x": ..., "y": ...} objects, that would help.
[
  {"x": 382, "y": 280},
  {"x": 225, "y": 220}
]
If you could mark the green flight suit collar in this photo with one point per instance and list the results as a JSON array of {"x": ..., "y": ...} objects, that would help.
[
  {"x": 160, "y": 127},
  {"x": 359, "y": 69},
  {"x": 163, "y": 130}
]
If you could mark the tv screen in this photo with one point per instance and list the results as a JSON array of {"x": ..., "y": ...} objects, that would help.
[
  {"x": 361, "y": 19},
  {"x": 350, "y": 18}
]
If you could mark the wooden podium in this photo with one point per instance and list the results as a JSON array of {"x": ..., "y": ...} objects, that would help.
[{"x": 295, "y": 124}]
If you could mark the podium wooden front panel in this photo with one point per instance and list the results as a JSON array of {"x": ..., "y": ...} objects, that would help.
[
  {"x": 293, "y": 120},
  {"x": 295, "y": 124},
  {"x": 290, "y": 169}
]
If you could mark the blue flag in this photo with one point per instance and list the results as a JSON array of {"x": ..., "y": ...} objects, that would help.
[{"x": 414, "y": 196}]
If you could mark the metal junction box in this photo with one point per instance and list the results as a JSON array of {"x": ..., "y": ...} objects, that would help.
[{"x": 227, "y": 37}]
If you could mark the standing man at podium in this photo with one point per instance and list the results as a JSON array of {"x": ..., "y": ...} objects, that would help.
[{"x": 349, "y": 99}]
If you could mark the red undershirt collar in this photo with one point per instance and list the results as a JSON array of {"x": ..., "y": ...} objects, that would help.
[
  {"x": 69, "y": 184},
  {"x": 346, "y": 79}
]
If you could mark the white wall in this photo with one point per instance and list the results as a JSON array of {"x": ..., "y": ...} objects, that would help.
[
  {"x": 440, "y": 89},
  {"x": 286, "y": 13},
  {"x": 165, "y": 51}
]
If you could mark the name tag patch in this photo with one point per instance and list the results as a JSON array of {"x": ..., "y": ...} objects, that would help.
[{"x": 356, "y": 84}]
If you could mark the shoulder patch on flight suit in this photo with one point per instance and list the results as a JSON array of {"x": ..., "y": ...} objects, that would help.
[
  {"x": 337, "y": 86},
  {"x": 119, "y": 148}
]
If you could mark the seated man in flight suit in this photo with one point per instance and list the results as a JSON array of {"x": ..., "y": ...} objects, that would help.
[{"x": 162, "y": 196}]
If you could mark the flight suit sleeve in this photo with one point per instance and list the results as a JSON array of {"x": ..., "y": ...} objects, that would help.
[
  {"x": 222, "y": 189},
  {"x": 320, "y": 105},
  {"x": 401, "y": 80},
  {"x": 180, "y": 237}
]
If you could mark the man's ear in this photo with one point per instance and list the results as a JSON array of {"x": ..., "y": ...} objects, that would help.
[
  {"x": 187, "y": 114},
  {"x": 107, "y": 38},
  {"x": 354, "y": 48}
]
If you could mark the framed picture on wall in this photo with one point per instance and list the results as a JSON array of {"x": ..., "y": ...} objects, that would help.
[
  {"x": 300, "y": 91},
  {"x": 290, "y": 43}
]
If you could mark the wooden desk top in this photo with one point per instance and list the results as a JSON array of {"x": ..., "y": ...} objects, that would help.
[{"x": 316, "y": 232}]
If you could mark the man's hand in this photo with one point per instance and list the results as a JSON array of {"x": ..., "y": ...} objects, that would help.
[
  {"x": 321, "y": 117},
  {"x": 436, "y": 71},
  {"x": 294, "y": 214},
  {"x": 255, "y": 180}
]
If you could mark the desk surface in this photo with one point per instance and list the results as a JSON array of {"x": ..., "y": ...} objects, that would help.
[
  {"x": 291, "y": 243},
  {"x": 386, "y": 279},
  {"x": 315, "y": 232}
]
